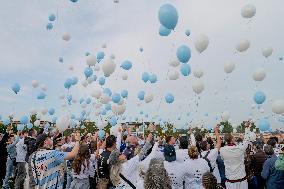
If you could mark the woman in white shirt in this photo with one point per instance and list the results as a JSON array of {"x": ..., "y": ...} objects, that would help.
[{"x": 195, "y": 167}]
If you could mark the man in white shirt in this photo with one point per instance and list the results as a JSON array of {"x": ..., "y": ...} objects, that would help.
[{"x": 233, "y": 156}]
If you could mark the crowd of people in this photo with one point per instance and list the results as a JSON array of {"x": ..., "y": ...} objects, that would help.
[{"x": 39, "y": 160}]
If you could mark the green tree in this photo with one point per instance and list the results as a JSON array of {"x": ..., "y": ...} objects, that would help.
[
  {"x": 228, "y": 128},
  {"x": 241, "y": 128}
]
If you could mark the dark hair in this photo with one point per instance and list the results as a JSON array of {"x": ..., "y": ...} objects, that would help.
[
  {"x": 275, "y": 138},
  {"x": 83, "y": 155},
  {"x": 124, "y": 137},
  {"x": 110, "y": 141},
  {"x": 198, "y": 137},
  {"x": 203, "y": 145},
  {"x": 271, "y": 142},
  {"x": 268, "y": 149},
  {"x": 168, "y": 138},
  {"x": 183, "y": 142},
  {"x": 211, "y": 142},
  {"x": 239, "y": 140},
  {"x": 228, "y": 138},
  {"x": 93, "y": 147},
  {"x": 31, "y": 132}
]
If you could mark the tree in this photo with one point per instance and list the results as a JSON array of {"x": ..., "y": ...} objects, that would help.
[
  {"x": 241, "y": 128},
  {"x": 228, "y": 128}
]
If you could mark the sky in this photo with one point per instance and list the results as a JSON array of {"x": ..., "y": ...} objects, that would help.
[{"x": 30, "y": 52}]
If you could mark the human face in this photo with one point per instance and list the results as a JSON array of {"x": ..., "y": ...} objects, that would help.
[
  {"x": 48, "y": 143},
  {"x": 172, "y": 141},
  {"x": 122, "y": 157}
]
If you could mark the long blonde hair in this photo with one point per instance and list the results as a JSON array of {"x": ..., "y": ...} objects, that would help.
[{"x": 115, "y": 170}]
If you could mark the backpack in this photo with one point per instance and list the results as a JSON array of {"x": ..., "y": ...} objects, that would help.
[{"x": 208, "y": 161}]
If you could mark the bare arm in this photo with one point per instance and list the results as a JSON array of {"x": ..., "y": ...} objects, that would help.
[
  {"x": 74, "y": 152},
  {"x": 218, "y": 144}
]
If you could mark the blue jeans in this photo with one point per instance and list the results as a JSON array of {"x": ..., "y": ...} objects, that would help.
[
  {"x": 69, "y": 177},
  {"x": 9, "y": 172}
]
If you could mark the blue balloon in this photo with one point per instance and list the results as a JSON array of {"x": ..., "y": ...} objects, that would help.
[
  {"x": 74, "y": 80},
  {"x": 102, "y": 81},
  {"x": 141, "y": 49},
  {"x": 24, "y": 120},
  {"x": 95, "y": 77},
  {"x": 101, "y": 134},
  {"x": 107, "y": 91},
  {"x": 145, "y": 76},
  {"x": 168, "y": 16},
  {"x": 116, "y": 97},
  {"x": 60, "y": 59},
  {"x": 81, "y": 100},
  {"x": 108, "y": 107},
  {"x": 126, "y": 65},
  {"x": 68, "y": 83},
  {"x": 73, "y": 116},
  {"x": 187, "y": 32},
  {"x": 16, "y": 88},
  {"x": 83, "y": 113},
  {"x": 29, "y": 125},
  {"x": 100, "y": 56},
  {"x": 141, "y": 112},
  {"x": 51, "y": 17},
  {"x": 87, "y": 54},
  {"x": 69, "y": 97},
  {"x": 185, "y": 69},
  {"x": 125, "y": 133},
  {"x": 124, "y": 93},
  {"x": 264, "y": 125},
  {"x": 51, "y": 111},
  {"x": 103, "y": 112},
  {"x": 259, "y": 97},
  {"x": 54, "y": 119},
  {"x": 49, "y": 26},
  {"x": 73, "y": 1},
  {"x": 112, "y": 121},
  {"x": 163, "y": 31},
  {"x": 88, "y": 100},
  {"x": 169, "y": 98},
  {"x": 141, "y": 95},
  {"x": 6, "y": 122},
  {"x": 20, "y": 127},
  {"x": 153, "y": 78},
  {"x": 183, "y": 53},
  {"x": 88, "y": 72},
  {"x": 41, "y": 95}
]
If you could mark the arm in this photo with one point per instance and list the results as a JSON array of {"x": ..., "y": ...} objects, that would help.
[
  {"x": 265, "y": 170},
  {"x": 118, "y": 139},
  {"x": 146, "y": 147},
  {"x": 74, "y": 152},
  {"x": 218, "y": 144},
  {"x": 192, "y": 138}
]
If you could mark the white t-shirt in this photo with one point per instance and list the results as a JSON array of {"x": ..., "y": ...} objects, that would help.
[
  {"x": 194, "y": 168},
  {"x": 176, "y": 172},
  {"x": 212, "y": 156},
  {"x": 182, "y": 155}
]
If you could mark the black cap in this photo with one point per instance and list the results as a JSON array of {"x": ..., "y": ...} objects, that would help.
[{"x": 40, "y": 139}]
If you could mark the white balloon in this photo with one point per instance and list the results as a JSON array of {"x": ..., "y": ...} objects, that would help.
[
  {"x": 108, "y": 67},
  {"x": 262, "y": 110},
  {"x": 173, "y": 75},
  {"x": 97, "y": 68},
  {"x": 33, "y": 111},
  {"x": 248, "y": 11},
  {"x": 62, "y": 123},
  {"x": 174, "y": 62},
  {"x": 148, "y": 97},
  {"x": 259, "y": 74},
  {"x": 118, "y": 109},
  {"x": 38, "y": 116},
  {"x": 96, "y": 93},
  {"x": 229, "y": 67},
  {"x": 35, "y": 83},
  {"x": 66, "y": 36},
  {"x": 90, "y": 80},
  {"x": 37, "y": 123},
  {"x": 197, "y": 86},
  {"x": 83, "y": 105},
  {"x": 234, "y": 131},
  {"x": 243, "y": 45},
  {"x": 44, "y": 111},
  {"x": 97, "y": 114},
  {"x": 44, "y": 87},
  {"x": 278, "y": 106},
  {"x": 201, "y": 43},
  {"x": 84, "y": 83},
  {"x": 91, "y": 60},
  {"x": 253, "y": 106},
  {"x": 267, "y": 52},
  {"x": 74, "y": 101},
  {"x": 121, "y": 102},
  {"x": 225, "y": 116},
  {"x": 64, "y": 105},
  {"x": 104, "y": 99},
  {"x": 124, "y": 76},
  {"x": 198, "y": 73}
]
